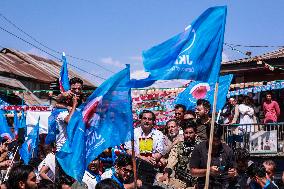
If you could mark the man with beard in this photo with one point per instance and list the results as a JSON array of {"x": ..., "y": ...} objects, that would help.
[
  {"x": 222, "y": 162},
  {"x": 179, "y": 157},
  {"x": 202, "y": 118},
  {"x": 271, "y": 109},
  {"x": 22, "y": 177},
  {"x": 179, "y": 113},
  {"x": 92, "y": 174},
  {"x": 121, "y": 172}
]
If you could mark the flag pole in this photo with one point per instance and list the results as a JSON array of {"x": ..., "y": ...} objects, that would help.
[
  {"x": 10, "y": 167},
  {"x": 134, "y": 162},
  {"x": 211, "y": 135},
  {"x": 132, "y": 146}
]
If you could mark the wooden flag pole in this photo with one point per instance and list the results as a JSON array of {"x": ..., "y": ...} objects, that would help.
[
  {"x": 211, "y": 136},
  {"x": 134, "y": 163}
]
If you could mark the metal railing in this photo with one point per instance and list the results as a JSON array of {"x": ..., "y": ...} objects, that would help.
[{"x": 257, "y": 138}]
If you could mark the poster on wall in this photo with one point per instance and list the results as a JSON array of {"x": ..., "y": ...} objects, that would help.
[{"x": 263, "y": 142}]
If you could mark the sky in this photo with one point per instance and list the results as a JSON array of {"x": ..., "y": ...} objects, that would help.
[{"x": 112, "y": 33}]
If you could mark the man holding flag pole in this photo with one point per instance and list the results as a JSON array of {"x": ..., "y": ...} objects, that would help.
[
  {"x": 91, "y": 129},
  {"x": 194, "y": 54}
]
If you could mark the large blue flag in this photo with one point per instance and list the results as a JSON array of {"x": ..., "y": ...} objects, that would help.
[
  {"x": 30, "y": 146},
  {"x": 64, "y": 84},
  {"x": 105, "y": 120},
  {"x": 5, "y": 131},
  {"x": 200, "y": 90},
  {"x": 51, "y": 133},
  {"x": 194, "y": 54}
]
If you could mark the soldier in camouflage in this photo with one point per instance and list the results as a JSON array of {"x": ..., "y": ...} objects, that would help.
[{"x": 178, "y": 163}]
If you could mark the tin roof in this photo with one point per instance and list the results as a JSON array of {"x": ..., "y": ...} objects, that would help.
[
  {"x": 279, "y": 53},
  {"x": 31, "y": 66},
  {"x": 15, "y": 84}
]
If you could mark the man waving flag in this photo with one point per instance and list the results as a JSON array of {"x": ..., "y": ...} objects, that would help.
[
  {"x": 105, "y": 120},
  {"x": 194, "y": 54}
]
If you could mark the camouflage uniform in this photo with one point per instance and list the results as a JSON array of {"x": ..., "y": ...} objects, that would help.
[{"x": 179, "y": 161}]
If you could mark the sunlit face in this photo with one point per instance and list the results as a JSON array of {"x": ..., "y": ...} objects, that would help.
[
  {"x": 147, "y": 121},
  {"x": 269, "y": 171},
  {"x": 173, "y": 129},
  {"x": 94, "y": 166},
  {"x": 124, "y": 173},
  {"x": 189, "y": 134},
  {"x": 76, "y": 88},
  {"x": 200, "y": 111},
  {"x": 179, "y": 113},
  {"x": 31, "y": 181},
  {"x": 232, "y": 101}
]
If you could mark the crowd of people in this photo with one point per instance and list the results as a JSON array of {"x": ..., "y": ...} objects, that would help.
[
  {"x": 247, "y": 110},
  {"x": 175, "y": 157}
]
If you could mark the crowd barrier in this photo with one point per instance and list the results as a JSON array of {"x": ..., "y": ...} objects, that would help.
[{"x": 257, "y": 138}]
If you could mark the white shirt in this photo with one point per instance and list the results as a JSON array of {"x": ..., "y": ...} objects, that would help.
[
  {"x": 246, "y": 117},
  {"x": 61, "y": 127},
  {"x": 107, "y": 174},
  {"x": 246, "y": 114},
  {"x": 159, "y": 142},
  {"x": 49, "y": 162},
  {"x": 90, "y": 180}
]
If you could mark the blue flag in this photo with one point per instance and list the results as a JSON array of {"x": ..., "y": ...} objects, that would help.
[
  {"x": 30, "y": 146},
  {"x": 200, "y": 90},
  {"x": 194, "y": 54},
  {"x": 3, "y": 103},
  {"x": 63, "y": 78},
  {"x": 22, "y": 122},
  {"x": 51, "y": 133},
  {"x": 16, "y": 124},
  {"x": 5, "y": 131},
  {"x": 105, "y": 120}
]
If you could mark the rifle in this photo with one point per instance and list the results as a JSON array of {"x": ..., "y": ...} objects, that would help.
[{"x": 185, "y": 177}]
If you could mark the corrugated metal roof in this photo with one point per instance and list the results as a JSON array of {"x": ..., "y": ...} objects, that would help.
[
  {"x": 32, "y": 66},
  {"x": 274, "y": 54},
  {"x": 27, "y": 95}
]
